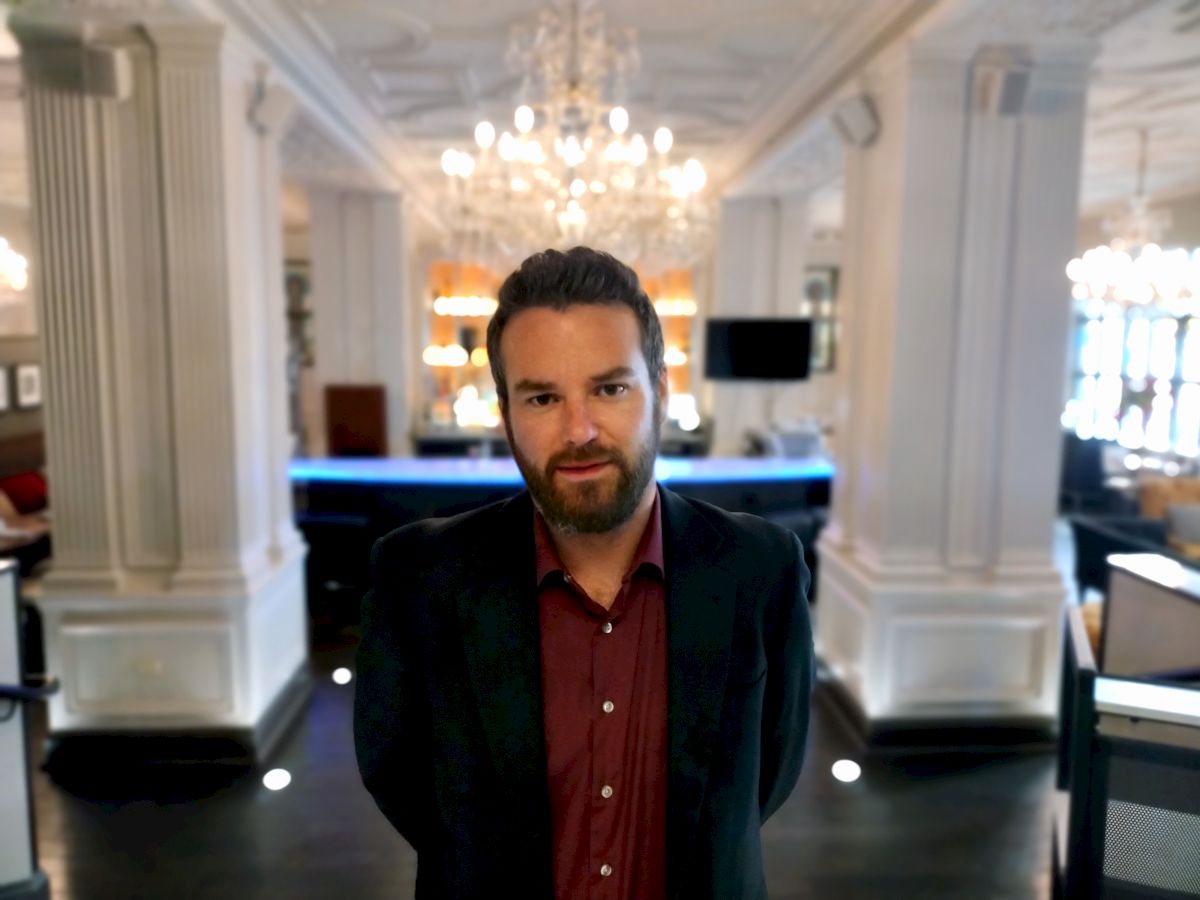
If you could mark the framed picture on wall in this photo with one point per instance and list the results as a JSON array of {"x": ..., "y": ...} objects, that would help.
[
  {"x": 820, "y": 304},
  {"x": 4, "y": 402},
  {"x": 29, "y": 386},
  {"x": 297, "y": 285}
]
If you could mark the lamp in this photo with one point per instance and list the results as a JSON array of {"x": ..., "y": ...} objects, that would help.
[{"x": 568, "y": 170}]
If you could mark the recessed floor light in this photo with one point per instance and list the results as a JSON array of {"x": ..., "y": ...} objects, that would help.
[{"x": 846, "y": 770}]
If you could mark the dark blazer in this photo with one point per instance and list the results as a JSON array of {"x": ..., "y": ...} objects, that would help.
[{"x": 448, "y": 703}]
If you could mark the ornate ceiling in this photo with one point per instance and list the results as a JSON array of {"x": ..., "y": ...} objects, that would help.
[
  {"x": 735, "y": 83},
  {"x": 716, "y": 73},
  {"x": 1147, "y": 76}
]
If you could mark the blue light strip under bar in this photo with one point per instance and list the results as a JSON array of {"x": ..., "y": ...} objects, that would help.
[
  {"x": 504, "y": 471},
  {"x": 1161, "y": 702}
]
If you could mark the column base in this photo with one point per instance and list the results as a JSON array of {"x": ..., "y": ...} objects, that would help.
[
  {"x": 223, "y": 672},
  {"x": 930, "y": 652},
  {"x": 70, "y": 753}
]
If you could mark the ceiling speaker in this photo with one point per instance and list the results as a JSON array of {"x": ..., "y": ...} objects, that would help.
[
  {"x": 1000, "y": 83},
  {"x": 856, "y": 120}
]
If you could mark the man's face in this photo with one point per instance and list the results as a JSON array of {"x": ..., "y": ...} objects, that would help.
[{"x": 583, "y": 416}]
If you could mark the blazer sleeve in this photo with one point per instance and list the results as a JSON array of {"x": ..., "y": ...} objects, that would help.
[
  {"x": 790, "y": 671},
  {"x": 389, "y": 739}
]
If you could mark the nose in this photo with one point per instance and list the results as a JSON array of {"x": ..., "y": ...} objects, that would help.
[{"x": 579, "y": 426}]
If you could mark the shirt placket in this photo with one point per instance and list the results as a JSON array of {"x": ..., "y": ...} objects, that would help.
[{"x": 611, "y": 717}]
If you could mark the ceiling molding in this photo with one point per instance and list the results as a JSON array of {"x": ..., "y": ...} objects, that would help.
[
  {"x": 321, "y": 90},
  {"x": 784, "y": 125}
]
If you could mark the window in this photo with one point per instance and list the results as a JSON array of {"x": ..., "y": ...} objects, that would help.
[{"x": 1136, "y": 378}]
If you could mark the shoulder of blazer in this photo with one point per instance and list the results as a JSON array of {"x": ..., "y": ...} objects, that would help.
[
  {"x": 740, "y": 533},
  {"x": 496, "y": 529}
]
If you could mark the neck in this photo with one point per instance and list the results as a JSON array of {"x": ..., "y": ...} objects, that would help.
[{"x": 609, "y": 551}]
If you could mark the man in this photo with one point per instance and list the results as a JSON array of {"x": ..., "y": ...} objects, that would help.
[{"x": 598, "y": 688}]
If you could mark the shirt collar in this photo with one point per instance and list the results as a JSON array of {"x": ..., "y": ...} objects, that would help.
[{"x": 649, "y": 550}]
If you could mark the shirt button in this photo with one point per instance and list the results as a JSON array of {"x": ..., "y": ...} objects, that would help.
[
  {"x": 606, "y": 870},
  {"x": 606, "y": 791},
  {"x": 606, "y": 627},
  {"x": 608, "y": 706}
]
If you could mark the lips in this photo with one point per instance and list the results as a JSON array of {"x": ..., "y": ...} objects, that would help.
[{"x": 585, "y": 467}]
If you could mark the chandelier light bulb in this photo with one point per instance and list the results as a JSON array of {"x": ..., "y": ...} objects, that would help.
[
  {"x": 578, "y": 188},
  {"x": 507, "y": 148},
  {"x": 485, "y": 134},
  {"x": 450, "y": 162},
  {"x": 618, "y": 119},
  {"x": 523, "y": 119},
  {"x": 663, "y": 139},
  {"x": 694, "y": 175},
  {"x": 638, "y": 153}
]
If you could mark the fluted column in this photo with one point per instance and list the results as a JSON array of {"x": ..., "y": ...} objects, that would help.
[
  {"x": 176, "y": 596},
  {"x": 939, "y": 596}
]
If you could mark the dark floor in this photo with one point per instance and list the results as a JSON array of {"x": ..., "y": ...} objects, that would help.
[{"x": 949, "y": 826}]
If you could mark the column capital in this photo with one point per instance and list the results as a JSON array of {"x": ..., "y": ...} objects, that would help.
[
  {"x": 1052, "y": 32},
  {"x": 84, "y": 47}
]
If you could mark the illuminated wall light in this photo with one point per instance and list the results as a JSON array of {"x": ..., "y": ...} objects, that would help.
[
  {"x": 450, "y": 356},
  {"x": 342, "y": 676},
  {"x": 675, "y": 357},
  {"x": 472, "y": 410},
  {"x": 464, "y": 306},
  {"x": 675, "y": 306},
  {"x": 682, "y": 409},
  {"x": 14, "y": 268}
]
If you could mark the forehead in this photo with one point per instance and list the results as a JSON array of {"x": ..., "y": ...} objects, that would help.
[{"x": 592, "y": 336}]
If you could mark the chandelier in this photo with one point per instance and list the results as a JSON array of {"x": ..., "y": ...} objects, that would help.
[
  {"x": 1133, "y": 270},
  {"x": 570, "y": 171}
]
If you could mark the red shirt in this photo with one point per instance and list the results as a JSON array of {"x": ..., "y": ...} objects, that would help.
[{"x": 604, "y": 691}]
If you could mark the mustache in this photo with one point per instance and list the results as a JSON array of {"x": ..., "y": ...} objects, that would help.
[{"x": 581, "y": 456}]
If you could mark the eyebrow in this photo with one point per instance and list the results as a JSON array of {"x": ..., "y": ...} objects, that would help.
[
  {"x": 529, "y": 386},
  {"x": 615, "y": 372},
  {"x": 526, "y": 386}
]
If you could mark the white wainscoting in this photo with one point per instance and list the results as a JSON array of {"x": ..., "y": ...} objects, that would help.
[{"x": 158, "y": 668}]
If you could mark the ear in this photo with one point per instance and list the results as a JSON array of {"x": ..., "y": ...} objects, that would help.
[{"x": 663, "y": 389}]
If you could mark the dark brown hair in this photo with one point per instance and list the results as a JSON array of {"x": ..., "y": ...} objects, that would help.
[{"x": 557, "y": 280}]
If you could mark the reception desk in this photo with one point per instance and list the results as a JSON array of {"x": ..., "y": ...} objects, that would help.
[{"x": 344, "y": 505}]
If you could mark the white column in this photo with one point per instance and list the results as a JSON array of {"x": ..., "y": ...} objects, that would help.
[
  {"x": 176, "y": 597},
  {"x": 938, "y": 596},
  {"x": 760, "y": 273},
  {"x": 362, "y": 258}
]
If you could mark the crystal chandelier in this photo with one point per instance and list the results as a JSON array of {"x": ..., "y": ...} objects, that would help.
[
  {"x": 569, "y": 171},
  {"x": 1133, "y": 269}
]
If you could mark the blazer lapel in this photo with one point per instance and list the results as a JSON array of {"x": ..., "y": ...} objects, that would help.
[
  {"x": 501, "y": 642},
  {"x": 700, "y": 607}
]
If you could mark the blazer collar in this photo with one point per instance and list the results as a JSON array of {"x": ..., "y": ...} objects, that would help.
[
  {"x": 700, "y": 606},
  {"x": 501, "y": 643}
]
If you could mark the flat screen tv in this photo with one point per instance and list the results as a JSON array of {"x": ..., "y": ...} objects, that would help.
[{"x": 764, "y": 349}]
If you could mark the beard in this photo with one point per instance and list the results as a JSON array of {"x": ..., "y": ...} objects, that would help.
[{"x": 590, "y": 507}]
